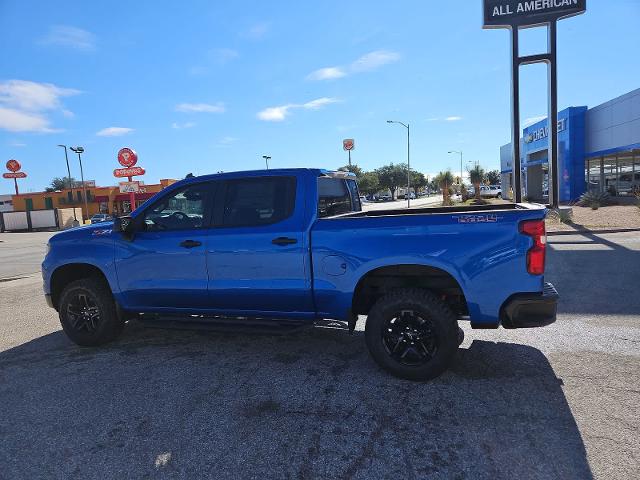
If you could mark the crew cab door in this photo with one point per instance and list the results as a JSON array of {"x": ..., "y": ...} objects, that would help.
[
  {"x": 258, "y": 252},
  {"x": 164, "y": 265}
]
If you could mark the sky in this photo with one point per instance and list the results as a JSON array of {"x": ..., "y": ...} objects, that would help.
[{"x": 205, "y": 86}]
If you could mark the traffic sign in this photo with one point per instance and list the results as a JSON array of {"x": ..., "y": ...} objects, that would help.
[
  {"x": 348, "y": 144},
  {"x": 129, "y": 187},
  {"x": 14, "y": 175},
  {"x": 13, "y": 165},
  {"x": 128, "y": 172},
  {"x": 127, "y": 157}
]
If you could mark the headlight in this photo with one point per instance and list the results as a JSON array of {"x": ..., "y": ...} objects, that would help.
[{"x": 48, "y": 248}]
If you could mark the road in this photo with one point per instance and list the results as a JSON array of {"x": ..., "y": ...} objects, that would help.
[
  {"x": 21, "y": 253},
  {"x": 559, "y": 402}
]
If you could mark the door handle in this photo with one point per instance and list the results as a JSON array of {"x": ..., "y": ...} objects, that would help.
[
  {"x": 190, "y": 243},
  {"x": 282, "y": 241}
]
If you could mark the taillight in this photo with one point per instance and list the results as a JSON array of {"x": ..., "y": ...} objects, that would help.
[{"x": 536, "y": 254}]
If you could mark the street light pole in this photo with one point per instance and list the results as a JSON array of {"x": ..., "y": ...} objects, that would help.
[
  {"x": 456, "y": 151},
  {"x": 408, "y": 161},
  {"x": 266, "y": 160},
  {"x": 80, "y": 150},
  {"x": 66, "y": 157}
]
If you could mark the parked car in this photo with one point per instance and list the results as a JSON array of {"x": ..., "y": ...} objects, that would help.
[
  {"x": 294, "y": 246},
  {"x": 100, "y": 218},
  {"x": 486, "y": 191}
]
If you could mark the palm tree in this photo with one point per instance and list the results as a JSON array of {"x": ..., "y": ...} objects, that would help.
[
  {"x": 476, "y": 176},
  {"x": 445, "y": 180}
]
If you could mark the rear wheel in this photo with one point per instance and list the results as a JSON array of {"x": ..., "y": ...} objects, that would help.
[
  {"x": 88, "y": 313},
  {"x": 412, "y": 334}
]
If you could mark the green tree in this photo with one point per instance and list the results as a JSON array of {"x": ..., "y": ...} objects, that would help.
[
  {"x": 477, "y": 176},
  {"x": 392, "y": 176},
  {"x": 369, "y": 183},
  {"x": 493, "y": 177},
  {"x": 445, "y": 180},
  {"x": 58, "y": 184},
  {"x": 353, "y": 169},
  {"x": 418, "y": 180}
]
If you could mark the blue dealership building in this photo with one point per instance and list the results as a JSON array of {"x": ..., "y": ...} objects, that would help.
[{"x": 598, "y": 150}]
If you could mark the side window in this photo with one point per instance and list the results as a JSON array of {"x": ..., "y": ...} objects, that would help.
[
  {"x": 334, "y": 197},
  {"x": 182, "y": 210},
  {"x": 258, "y": 201}
]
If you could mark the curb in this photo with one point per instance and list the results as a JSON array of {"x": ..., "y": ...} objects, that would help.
[{"x": 584, "y": 230}]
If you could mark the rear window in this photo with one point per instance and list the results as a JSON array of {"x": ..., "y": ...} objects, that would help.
[
  {"x": 337, "y": 196},
  {"x": 258, "y": 201}
]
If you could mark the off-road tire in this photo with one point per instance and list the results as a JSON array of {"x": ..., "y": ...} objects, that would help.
[
  {"x": 99, "y": 330},
  {"x": 442, "y": 324}
]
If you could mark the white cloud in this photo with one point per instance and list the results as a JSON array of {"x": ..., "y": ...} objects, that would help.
[
  {"x": 227, "y": 140},
  {"x": 23, "y": 105},
  {"x": 223, "y": 55},
  {"x": 452, "y": 118},
  {"x": 33, "y": 96},
  {"x": 279, "y": 113},
  {"x": 531, "y": 120},
  {"x": 180, "y": 126},
  {"x": 257, "y": 31},
  {"x": 114, "y": 131},
  {"x": 319, "y": 103},
  {"x": 374, "y": 60},
  {"x": 17, "y": 144},
  {"x": 67, "y": 36},
  {"x": 18, "y": 121},
  {"x": 366, "y": 63},
  {"x": 274, "y": 114},
  {"x": 328, "y": 73},
  {"x": 200, "y": 108}
]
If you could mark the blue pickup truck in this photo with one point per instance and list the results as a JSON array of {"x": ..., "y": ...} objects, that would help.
[{"x": 293, "y": 247}]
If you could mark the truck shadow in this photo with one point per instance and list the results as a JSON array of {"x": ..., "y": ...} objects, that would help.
[{"x": 193, "y": 404}]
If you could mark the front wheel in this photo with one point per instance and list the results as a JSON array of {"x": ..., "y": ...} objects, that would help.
[
  {"x": 412, "y": 334},
  {"x": 88, "y": 313},
  {"x": 499, "y": 196}
]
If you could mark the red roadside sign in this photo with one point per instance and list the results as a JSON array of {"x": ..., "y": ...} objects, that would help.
[
  {"x": 128, "y": 172},
  {"x": 14, "y": 175},
  {"x": 13, "y": 165},
  {"x": 348, "y": 144},
  {"x": 127, "y": 157}
]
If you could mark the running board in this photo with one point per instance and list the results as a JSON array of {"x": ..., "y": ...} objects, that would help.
[{"x": 224, "y": 324}]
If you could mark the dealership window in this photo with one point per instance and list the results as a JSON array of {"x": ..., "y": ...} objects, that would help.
[
  {"x": 625, "y": 174},
  {"x": 610, "y": 174},
  {"x": 594, "y": 174}
]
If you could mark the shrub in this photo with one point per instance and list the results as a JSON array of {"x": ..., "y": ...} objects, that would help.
[{"x": 594, "y": 200}]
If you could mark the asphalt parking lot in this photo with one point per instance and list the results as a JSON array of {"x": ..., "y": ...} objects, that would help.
[{"x": 559, "y": 402}]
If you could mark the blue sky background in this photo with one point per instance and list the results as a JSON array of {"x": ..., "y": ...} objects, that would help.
[{"x": 207, "y": 86}]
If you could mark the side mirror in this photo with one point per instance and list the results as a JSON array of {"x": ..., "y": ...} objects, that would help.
[{"x": 125, "y": 225}]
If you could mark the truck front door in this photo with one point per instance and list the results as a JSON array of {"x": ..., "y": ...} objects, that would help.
[
  {"x": 258, "y": 253},
  {"x": 164, "y": 265}
]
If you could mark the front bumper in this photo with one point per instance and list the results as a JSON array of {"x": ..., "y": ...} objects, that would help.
[{"x": 529, "y": 310}]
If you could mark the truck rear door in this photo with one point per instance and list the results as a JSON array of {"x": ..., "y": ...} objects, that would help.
[{"x": 258, "y": 253}]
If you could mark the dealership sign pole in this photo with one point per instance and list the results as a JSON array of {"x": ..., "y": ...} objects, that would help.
[
  {"x": 348, "y": 144},
  {"x": 14, "y": 166},
  {"x": 514, "y": 15}
]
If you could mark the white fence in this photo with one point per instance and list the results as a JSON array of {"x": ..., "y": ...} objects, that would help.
[
  {"x": 15, "y": 221},
  {"x": 43, "y": 219},
  {"x": 61, "y": 218}
]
